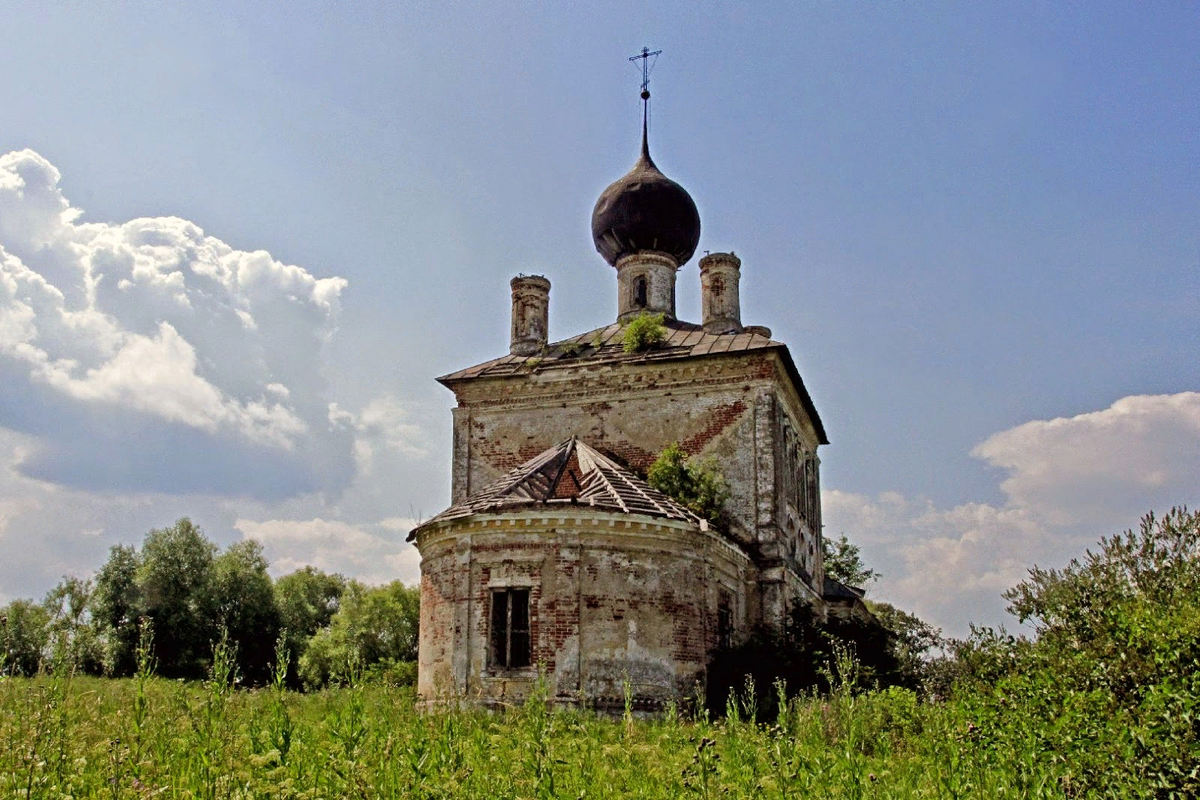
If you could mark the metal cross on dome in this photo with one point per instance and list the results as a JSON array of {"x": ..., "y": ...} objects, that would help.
[{"x": 647, "y": 65}]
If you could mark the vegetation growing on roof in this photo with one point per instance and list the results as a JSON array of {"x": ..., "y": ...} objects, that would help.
[
  {"x": 644, "y": 332},
  {"x": 697, "y": 484},
  {"x": 844, "y": 563}
]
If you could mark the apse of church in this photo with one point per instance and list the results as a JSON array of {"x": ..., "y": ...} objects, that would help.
[{"x": 556, "y": 555}]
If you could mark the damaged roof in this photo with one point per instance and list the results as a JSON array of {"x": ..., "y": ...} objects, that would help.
[
  {"x": 606, "y": 345},
  {"x": 570, "y": 473}
]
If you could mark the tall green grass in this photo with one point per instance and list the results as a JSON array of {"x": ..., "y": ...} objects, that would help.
[{"x": 63, "y": 736}]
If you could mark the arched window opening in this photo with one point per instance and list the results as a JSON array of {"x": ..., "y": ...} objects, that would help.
[{"x": 639, "y": 292}]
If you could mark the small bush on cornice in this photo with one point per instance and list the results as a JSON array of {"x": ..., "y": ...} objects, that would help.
[
  {"x": 644, "y": 332},
  {"x": 698, "y": 485}
]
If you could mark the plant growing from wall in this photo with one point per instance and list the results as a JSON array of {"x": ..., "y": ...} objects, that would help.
[
  {"x": 698, "y": 485},
  {"x": 645, "y": 331}
]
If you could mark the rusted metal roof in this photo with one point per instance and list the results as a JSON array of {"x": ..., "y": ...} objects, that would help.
[
  {"x": 570, "y": 473},
  {"x": 605, "y": 345},
  {"x": 684, "y": 339}
]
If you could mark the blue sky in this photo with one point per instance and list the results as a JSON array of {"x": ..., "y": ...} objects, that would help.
[{"x": 974, "y": 224}]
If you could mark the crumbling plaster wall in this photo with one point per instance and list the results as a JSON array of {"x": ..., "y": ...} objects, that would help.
[
  {"x": 615, "y": 600},
  {"x": 725, "y": 406}
]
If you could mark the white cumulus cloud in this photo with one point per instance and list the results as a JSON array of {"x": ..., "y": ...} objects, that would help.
[
  {"x": 141, "y": 337},
  {"x": 150, "y": 371},
  {"x": 1143, "y": 450},
  {"x": 1068, "y": 481},
  {"x": 376, "y": 553}
]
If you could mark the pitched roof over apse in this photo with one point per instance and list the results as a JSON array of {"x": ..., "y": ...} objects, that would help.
[
  {"x": 570, "y": 473},
  {"x": 606, "y": 345}
]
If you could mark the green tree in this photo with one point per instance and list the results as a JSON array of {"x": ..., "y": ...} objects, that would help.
[
  {"x": 1123, "y": 618},
  {"x": 307, "y": 600},
  {"x": 1158, "y": 564},
  {"x": 24, "y": 637},
  {"x": 375, "y": 627},
  {"x": 116, "y": 605},
  {"x": 74, "y": 644},
  {"x": 175, "y": 578},
  {"x": 844, "y": 563},
  {"x": 912, "y": 642},
  {"x": 1111, "y": 679},
  {"x": 696, "y": 484},
  {"x": 246, "y": 608}
]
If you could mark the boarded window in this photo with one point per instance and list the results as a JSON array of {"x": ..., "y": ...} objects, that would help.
[{"x": 511, "y": 643}]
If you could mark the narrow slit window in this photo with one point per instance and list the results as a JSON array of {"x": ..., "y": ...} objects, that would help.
[
  {"x": 511, "y": 642},
  {"x": 724, "y": 620},
  {"x": 639, "y": 292}
]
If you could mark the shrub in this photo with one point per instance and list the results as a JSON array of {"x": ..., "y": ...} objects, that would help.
[
  {"x": 1110, "y": 684},
  {"x": 804, "y": 657},
  {"x": 696, "y": 484},
  {"x": 644, "y": 332},
  {"x": 1123, "y": 624},
  {"x": 373, "y": 626}
]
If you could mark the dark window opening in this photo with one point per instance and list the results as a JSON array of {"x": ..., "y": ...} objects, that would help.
[
  {"x": 724, "y": 620},
  {"x": 510, "y": 628},
  {"x": 639, "y": 292}
]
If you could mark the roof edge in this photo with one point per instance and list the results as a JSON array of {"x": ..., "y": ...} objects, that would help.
[
  {"x": 543, "y": 509},
  {"x": 789, "y": 366},
  {"x": 785, "y": 356}
]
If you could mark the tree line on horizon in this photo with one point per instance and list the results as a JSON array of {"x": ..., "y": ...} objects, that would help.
[
  {"x": 182, "y": 594},
  {"x": 1107, "y": 683}
]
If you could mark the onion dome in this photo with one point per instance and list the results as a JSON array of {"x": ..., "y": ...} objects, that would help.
[{"x": 645, "y": 210}]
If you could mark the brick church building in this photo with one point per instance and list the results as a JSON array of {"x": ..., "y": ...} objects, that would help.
[{"x": 556, "y": 554}]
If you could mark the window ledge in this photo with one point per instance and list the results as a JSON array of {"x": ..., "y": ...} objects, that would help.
[{"x": 517, "y": 673}]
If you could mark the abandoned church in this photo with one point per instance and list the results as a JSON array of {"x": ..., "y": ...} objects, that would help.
[{"x": 557, "y": 556}]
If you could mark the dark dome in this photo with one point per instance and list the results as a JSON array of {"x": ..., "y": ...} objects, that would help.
[{"x": 645, "y": 210}]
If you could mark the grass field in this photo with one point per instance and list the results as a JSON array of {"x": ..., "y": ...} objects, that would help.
[
  {"x": 148, "y": 737},
  {"x": 1104, "y": 702}
]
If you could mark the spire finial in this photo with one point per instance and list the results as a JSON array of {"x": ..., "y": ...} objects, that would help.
[{"x": 647, "y": 65}]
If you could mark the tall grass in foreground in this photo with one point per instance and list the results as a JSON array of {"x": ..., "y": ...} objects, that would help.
[{"x": 148, "y": 737}]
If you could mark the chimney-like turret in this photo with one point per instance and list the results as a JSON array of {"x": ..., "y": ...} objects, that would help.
[
  {"x": 530, "y": 314},
  {"x": 719, "y": 301},
  {"x": 646, "y": 285}
]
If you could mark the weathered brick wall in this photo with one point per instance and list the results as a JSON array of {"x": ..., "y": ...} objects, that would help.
[
  {"x": 732, "y": 407},
  {"x": 633, "y": 409},
  {"x": 435, "y": 666},
  {"x": 614, "y": 599}
]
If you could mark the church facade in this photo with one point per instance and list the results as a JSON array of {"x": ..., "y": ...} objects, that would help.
[{"x": 556, "y": 555}]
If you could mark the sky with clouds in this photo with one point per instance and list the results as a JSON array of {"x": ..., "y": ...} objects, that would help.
[{"x": 237, "y": 243}]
